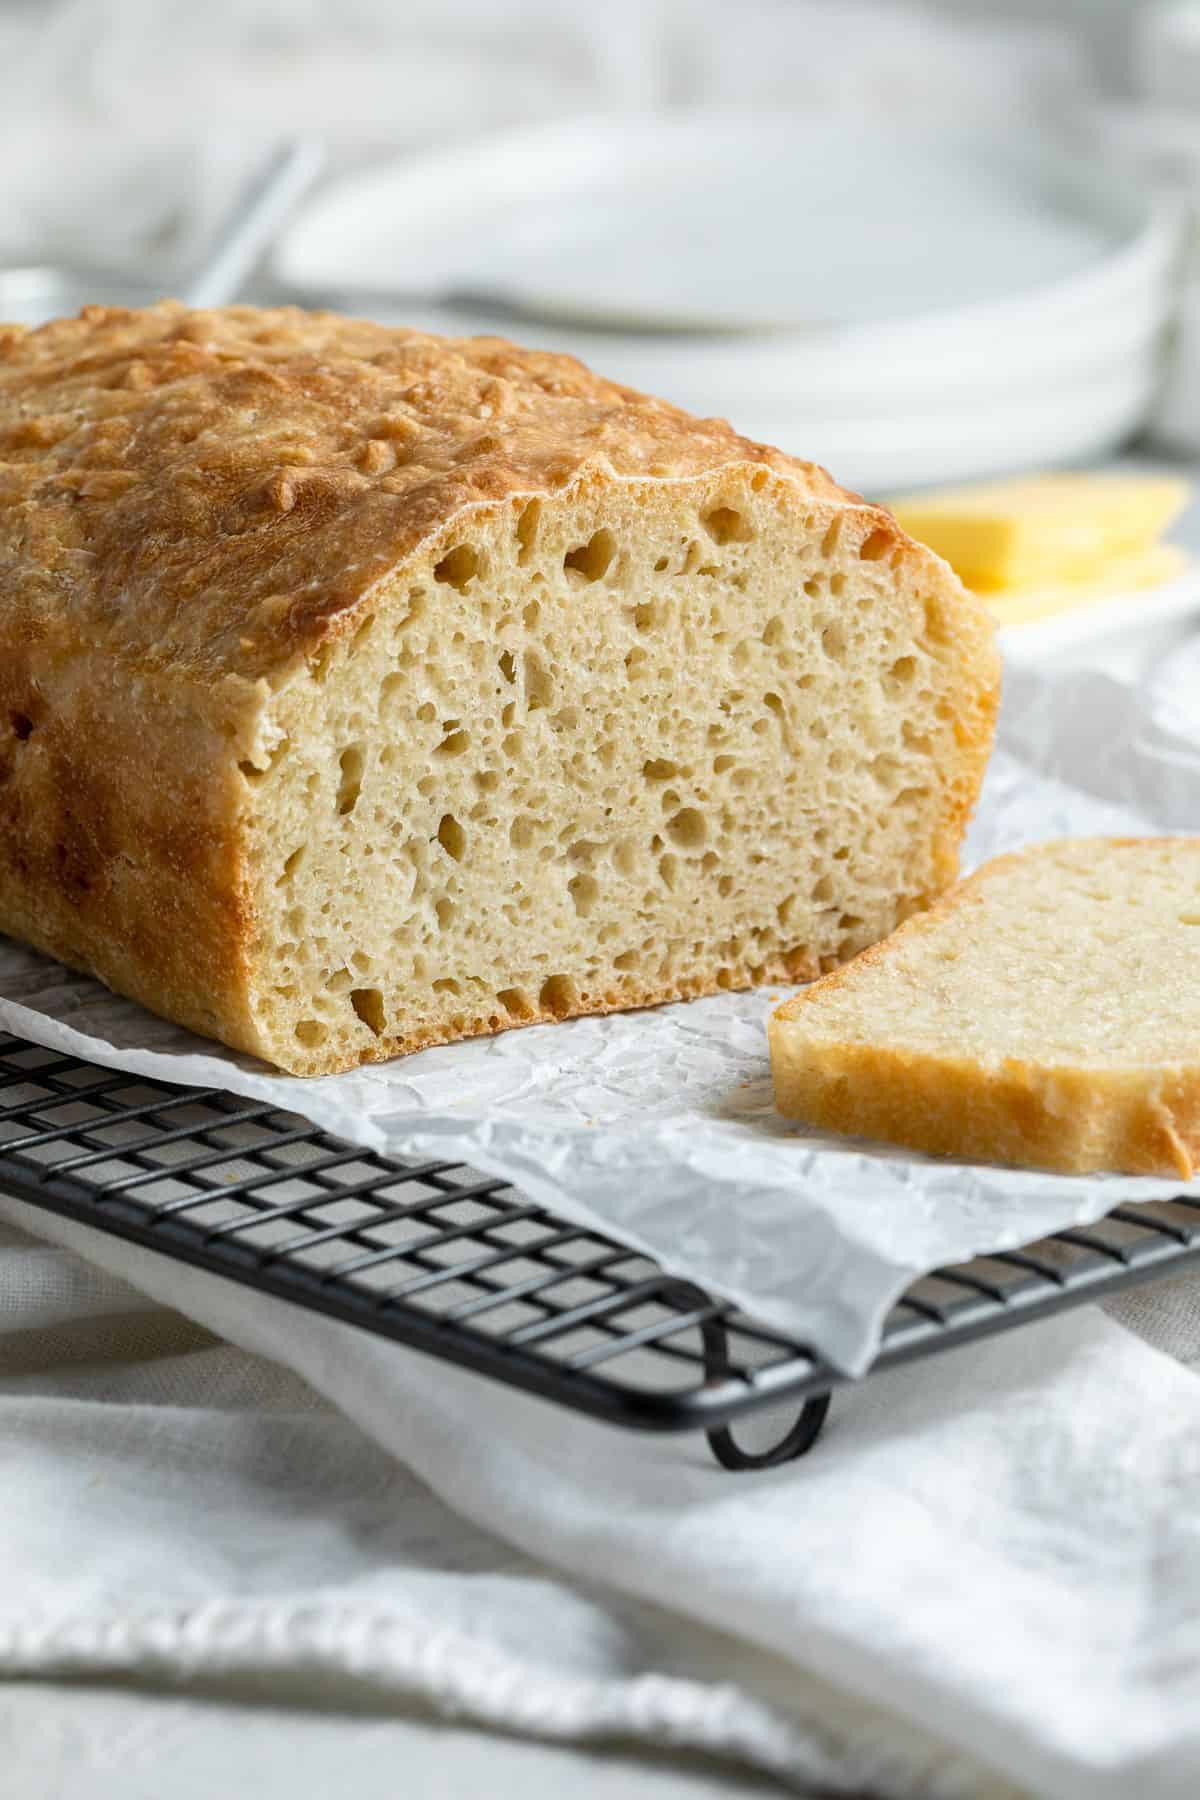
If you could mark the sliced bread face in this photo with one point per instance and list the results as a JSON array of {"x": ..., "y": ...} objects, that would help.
[
  {"x": 1045, "y": 1013},
  {"x": 636, "y": 742}
]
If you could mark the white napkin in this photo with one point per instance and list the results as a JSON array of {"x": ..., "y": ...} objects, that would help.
[{"x": 989, "y": 1560}]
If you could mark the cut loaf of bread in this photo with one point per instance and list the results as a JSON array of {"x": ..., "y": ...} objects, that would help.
[
  {"x": 1045, "y": 1012},
  {"x": 362, "y": 690}
]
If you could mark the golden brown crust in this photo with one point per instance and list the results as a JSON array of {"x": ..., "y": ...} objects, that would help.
[
  {"x": 216, "y": 490},
  {"x": 1074, "y": 1120}
]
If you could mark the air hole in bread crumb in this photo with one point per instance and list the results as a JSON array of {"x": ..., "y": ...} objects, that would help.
[
  {"x": 22, "y": 726},
  {"x": 291, "y": 866},
  {"x": 725, "y": 525},
  {"x": 558, "y": 995},
  {"x": 688, "y": 828},
  {"x": 368, "y": 1004},
  {"x": 721, "y": 763},
  {"x": 646, "y": 615},
  {"x": 311, "y": 1032},
  {"x": 351, "y": 763},
  {"x": 538, "y": 683},
  {"x": 508, "y": 666},
  {"x": 516, "y": 1003},
  {"x": 446, "y": 985},
  {"x": 774, "y": 704},
  {"x": 627, "y": 960},
  {"x": 833, "y": 642},
  {"x": 823, "y": 891},
  {"x": 458, "y": 567},
  {"x": 451, "y": 836},
  {"x": 659, "y": 769},
  {"x": 664, "y": 562},
  {"x": 593, "y": 559},
  {"x": 522, "y": 831},
  {"x": 876, "y": 545},
  {"x": 625, "y": 857},
  {"x": 444, "y": 909},
  {"x": 668, "y": 869},
  {"x": 759, "y": 480},
  {"x": 454, "y": 743},
  {"x": 527, "y": 527},
  {"x": 773, "y": 631},
  {"x": 584, "y": 891}
]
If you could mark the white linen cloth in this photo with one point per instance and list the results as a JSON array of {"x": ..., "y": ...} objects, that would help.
[{"x": 985, "y": 1581}]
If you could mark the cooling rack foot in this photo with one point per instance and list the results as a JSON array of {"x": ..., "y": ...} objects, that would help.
[{"x": 796, "y": 1442}]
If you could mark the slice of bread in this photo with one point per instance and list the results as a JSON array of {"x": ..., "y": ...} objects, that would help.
[{"x": 1046, "y": 1012}]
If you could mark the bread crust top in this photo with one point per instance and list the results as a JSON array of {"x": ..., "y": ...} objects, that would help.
[{"x": 211, "y": 493}]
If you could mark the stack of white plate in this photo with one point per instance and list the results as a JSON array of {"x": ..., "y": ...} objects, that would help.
[{"x": 905, "y": 307}]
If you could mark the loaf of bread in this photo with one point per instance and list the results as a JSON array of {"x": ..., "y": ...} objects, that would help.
[
  {"x": 361, "y": 690},
  {"x": 1046, "y": 1012}
]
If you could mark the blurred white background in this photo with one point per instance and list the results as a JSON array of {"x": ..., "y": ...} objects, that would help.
[{"x": 917, "y": 242}]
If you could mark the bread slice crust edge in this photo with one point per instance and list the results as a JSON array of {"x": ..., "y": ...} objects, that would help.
[{"x": 1067, "y": 1118}]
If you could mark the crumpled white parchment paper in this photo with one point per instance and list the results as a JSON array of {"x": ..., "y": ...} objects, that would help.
[{"x": 659, "y": 1127}]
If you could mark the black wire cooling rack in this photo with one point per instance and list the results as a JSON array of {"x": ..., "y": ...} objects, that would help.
[{"x": 461, "y": 1266}]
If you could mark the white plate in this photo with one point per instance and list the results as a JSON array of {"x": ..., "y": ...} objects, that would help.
[
  {"x": 972, "y": 307},
  {"x": 728, "y": 219},
  {"x": 1137, "y": 617},
  {"x": 1036, "y": 429},
  {"x": 845, "y": 372}
]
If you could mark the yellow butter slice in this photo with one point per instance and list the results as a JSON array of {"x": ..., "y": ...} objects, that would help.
[
  {"x": 1042, "y": 530},
  {"x": 1124, "y": 575}
]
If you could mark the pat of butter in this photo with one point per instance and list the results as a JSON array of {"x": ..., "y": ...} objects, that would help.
[
  {"x": 1042, "y": 530},
  {"x": 1143, "y": 569}
]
